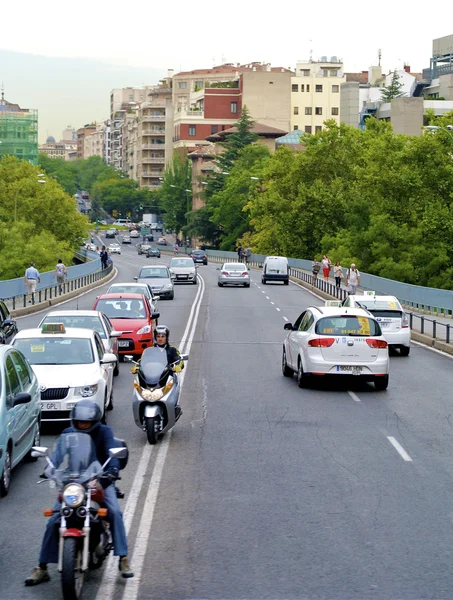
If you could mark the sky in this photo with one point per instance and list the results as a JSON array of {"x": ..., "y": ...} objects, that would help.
[{"x": 116, "y": 44}]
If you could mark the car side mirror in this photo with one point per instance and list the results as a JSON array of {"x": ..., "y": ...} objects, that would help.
[
  {"x": 115, "y": 334},
  {"x": 218, "y": 269},
  {"x": 155, "y": 315},
  {"x": 135, "y": 278},
  {"x": 108, "y": 359},
  {"x": 8, "y": 323},
  {"x": 288, "y": 326},
  {"x": 156, "y": 298},
  {"x": 21, "y": 398}
]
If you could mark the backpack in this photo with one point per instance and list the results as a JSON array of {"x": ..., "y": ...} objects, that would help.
[{"x": 316, "y": 268}]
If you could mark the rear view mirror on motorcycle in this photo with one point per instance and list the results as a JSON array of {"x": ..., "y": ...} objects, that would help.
[
  {"x": 38, "y": 451},
  {"x": 128, "y": 358},
  {"x": 185, "y": 356},
  {"x": 118, "y": 452}
]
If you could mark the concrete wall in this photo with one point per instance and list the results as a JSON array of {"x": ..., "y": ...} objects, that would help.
[
  {"x": 446, "y": 86},
  {"x": 350, "y": 103},
  {"x": 407, "y": 115},
  {"x": 267, "y": 96}
]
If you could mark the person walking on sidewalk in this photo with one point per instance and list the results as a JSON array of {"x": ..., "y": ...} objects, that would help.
[
  {"x": 31, "y": 279},
  {"x": 104, "y": 257},
  {"x": 60, "y": 274},
  {"x": 326, "y": 264},
  {"x": 352, "y": 279},
  {"x": 239, "y": 253},
  {"x": 338, "y": 274},
  {"x": 315, "y": 268}
]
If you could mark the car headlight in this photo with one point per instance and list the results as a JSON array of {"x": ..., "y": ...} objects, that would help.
[
  {"x": 145, "y": 329},
  {"x": 168, "y": 286},
  {"x": 74, "y": 495},
  {"x": 86, "y": 390}
]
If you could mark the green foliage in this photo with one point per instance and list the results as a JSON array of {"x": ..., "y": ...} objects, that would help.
[
  {"x": 393, "y": 89},
  {"x": 176, "y": 192},
  {"x": 223, "y": 84},
  {"x": 47, "y": 226}
]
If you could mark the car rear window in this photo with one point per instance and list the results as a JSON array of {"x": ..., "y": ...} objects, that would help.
[
  {"x": 234, "y": 267},
  {"x": 347, "y": 325},
  {"x": 392, "y": 314},
  {"x": 375, "y": 304}
]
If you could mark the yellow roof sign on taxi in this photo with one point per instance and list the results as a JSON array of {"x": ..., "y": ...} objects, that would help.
[{"x": 53, "y": 328}]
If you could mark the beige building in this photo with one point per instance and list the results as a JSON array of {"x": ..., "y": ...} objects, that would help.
[
  {"x": 93, "y": 144},
  {"x": 267, "y": 96},
  {"x": 315, "y": 93},
  {"x": 67, "y": 150}
]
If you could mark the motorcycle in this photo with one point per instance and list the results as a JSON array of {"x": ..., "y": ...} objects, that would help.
[
  {"x": 84, "y": 533},
  {"x": 156, "y": 393}
]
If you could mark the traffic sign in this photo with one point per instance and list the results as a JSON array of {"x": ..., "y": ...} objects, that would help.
[{"x": 145, "y": 231}]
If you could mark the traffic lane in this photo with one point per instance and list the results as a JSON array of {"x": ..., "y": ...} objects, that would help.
[{"x": 21, "y": 519}]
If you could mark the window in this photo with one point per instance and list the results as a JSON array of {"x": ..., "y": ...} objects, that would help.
[
  {"x": 308, "y": 87},
  {"x": 305, "y": 72},
  {"x": 99, "y": 347},
  {"x": 325, "y": 73},
  {"x": 296, "y": 127},
  {"x": 318, "y": 88},
  {"x": 302, "y": 87},
  {"x": 199, "y": 85},
  {"x": 295, "y": 87},
  {"x": 335, "y": 89},
  {"x": 334, "y": 72},
  {"x": 192, "y": 130},
  {"x": 299, "y": 321},
  {"x": 307, "y": 128},
  {"x": 318, "y": 110},
  {"x": 335, "y": 110},
  {"x": 214, "y": 129},
  {"x": 234, "y": 107},
  {"x": 22, "y": 370},
  {"x": 307, "y": 321},
  {"x": 182, "y": 85},
  {"x": 12, "y": 382},
  {"x": 308, "y": 110},
  {"x": 318, "y": 128},
  {"x": 296, "y": 110}
]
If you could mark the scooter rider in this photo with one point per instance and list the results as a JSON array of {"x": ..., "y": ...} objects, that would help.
[{"x": 86, "y": 418}]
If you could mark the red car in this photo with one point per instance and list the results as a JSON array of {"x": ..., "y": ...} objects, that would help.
[{"x": 133, "y": 316}]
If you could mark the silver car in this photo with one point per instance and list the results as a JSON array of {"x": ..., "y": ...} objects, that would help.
[
  {"x": 233, "y": 274},
  {"x": 88, "y": 319},
  {"x": 184, "y": 270},
  {"x": 136, "y": 288},
  {"x": 159, "y": 278}
]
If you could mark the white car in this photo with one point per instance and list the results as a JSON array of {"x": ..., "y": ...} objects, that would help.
[
  {"x": 114, "y": 249},
  {"x": 233, "y": 274},
  {"x": 183, "y": 270},
  {"x": 390, "y": 315},
  {"x": 70, "y": 364},
  {"x": 338, "y": 341},
  {"x": 136, "y": 288},
  {"x": 134, "y": 234}
]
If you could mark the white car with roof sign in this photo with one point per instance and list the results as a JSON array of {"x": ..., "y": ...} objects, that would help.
[
  {"x": 70, "y": 364},
  {"x": 333, "y": 340},
  {"x": 114, "y": 249},
  {"x": 390, "y": 315}
]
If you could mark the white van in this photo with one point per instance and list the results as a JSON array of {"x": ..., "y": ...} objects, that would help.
[
  {"x": 275, "y": 268},
  {"x": 125, "y": 222}
]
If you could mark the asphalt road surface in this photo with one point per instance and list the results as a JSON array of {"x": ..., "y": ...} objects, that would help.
[{"x": 263, "y": 490}]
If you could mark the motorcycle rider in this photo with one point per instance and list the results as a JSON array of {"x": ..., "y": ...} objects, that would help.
[{"x": 86, "y": 418}]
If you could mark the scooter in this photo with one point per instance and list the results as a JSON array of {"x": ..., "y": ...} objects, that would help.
[
  {"x": 156, "y": 393},
  {"x": 84, "y": 532}
]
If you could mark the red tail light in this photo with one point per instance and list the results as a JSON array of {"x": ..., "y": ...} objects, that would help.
[
  {"x": 245, "y": 272},
  {"x": 224, "y": 272},
  {"x": 321, "y": 342},
  {"x": 376, "y": 343}
]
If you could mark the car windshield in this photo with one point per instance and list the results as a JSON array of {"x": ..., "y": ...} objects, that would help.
[
  {"x": 181, "y": 262},
  {"x": 122, "y": 308},
  {"x": 233, "y": 267},
  {"x": 133, "y": 289},
  {"x": 347, "y": 325},
  {"x": 56, "y": 350},
  {"x": 79, "y": 322},
  {"x": 154, "y": 272}
]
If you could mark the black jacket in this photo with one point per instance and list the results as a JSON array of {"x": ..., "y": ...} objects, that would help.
[{"x": 173, "y": 354}]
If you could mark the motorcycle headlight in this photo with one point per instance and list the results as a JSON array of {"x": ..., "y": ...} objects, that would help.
[
  {"x": 145, "y": 329},
  {"x": 74, "y": 495},
  {"x": 86, "y": 391},
  {"x": 152, "y": 394}
]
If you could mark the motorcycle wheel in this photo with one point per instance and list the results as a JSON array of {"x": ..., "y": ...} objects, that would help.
[
  {"x": 72, "y": 574},
  {"x": 152, "y": 424}
]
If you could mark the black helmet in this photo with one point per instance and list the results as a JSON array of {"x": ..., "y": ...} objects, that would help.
[
  {"x": 162, "y": 329},
  {"x": 86, "y": 410}
]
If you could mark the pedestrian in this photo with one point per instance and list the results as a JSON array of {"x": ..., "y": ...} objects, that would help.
[
  {"x": 338, "y": 273},
  {"x": 239, "y": 251},
  {"x": 326, "y": 264},
  {"x": 175, "y": 248},
  {"x": 248, "y": 255},
  {"x": 60, "y": 274},
  {"x": 352, "y": 279},
  {"x": 104, "y": 257},
  {"x": 315, "y": 268},
  {"x": 32, "y": 278}
]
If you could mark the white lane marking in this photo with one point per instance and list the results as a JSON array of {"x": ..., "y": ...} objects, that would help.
[
  {"x": 272, "y": 302},
  {"x": 277, "y": 309},
  {"x": 286, "y": 319},
  {"x": 354, "y": 396},
  {"x": 401, "y": 451},
  {"x": 107, "y": 588},
  {"x": 267, "y": 297},
  {"x": 131, "y": 589},
  {"x": 263, "y": 292}
]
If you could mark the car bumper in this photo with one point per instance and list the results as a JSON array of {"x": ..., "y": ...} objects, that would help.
[
  {"x": 185, "y": 278},
  {"x": 368, "y": 370},
  {"x": 234, "y": 280},
  {"x": 135, "y": 345},
  {"x": 397, "y": 338},
  {"x": 275, "y": 277},
  {"x": 60, "y": 409}
]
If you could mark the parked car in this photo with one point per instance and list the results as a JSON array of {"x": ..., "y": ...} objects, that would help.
[
  {"x": 142, "y": 248},
  {"x": 114, "y": 249},
  {"x": 199, "y": 256},
  {"x": 184, "y": 270},
  {"x": 126, "y": 239},
  {"x": 153, "y": 251},
  {"x": 160, "y": 280},
  {"x": 233, "y": 274},
  {"x": 20, "y": 412},
  {"x": 132, "y": 314},
  {"x": 8, "y": 325}
]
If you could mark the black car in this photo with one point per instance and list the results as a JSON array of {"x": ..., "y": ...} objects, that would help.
[
  {"x": 199, "y": 256},
  {"x": 110, "y": 233},
  {"x": 8, "y": 327},
  {"x": 153, "y": 252},
  {"x": 148, "y": 238}
]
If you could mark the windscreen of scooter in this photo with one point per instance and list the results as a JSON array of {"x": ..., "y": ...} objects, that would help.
[
  {"x": 153, "y": 365},
  {"x": 75, "y": 458}
]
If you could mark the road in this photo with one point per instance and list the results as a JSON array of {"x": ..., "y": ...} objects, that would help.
[{"x": 263, "y": 490}]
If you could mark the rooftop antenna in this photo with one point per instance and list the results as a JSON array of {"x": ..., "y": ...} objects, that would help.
[
  {"x": 311, "y": 51},
  {"x": 379, "y": 57}
]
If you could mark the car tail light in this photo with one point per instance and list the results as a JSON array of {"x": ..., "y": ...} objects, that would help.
[
  {"x": 321, "y": 342},
  {"x": 245, "y": 272},
  {"x": 405, "y": 321},
  {"x": 376, "y": 343},
  {"x": 224, "y": 272}
]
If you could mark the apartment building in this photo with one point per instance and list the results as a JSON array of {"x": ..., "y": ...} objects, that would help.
[
  {"x": 82, "y": 133},
  {"x": 18, "y": 131},
  {"x": 65, "y": 149},
  {"x": 123, "y": 101},
  {"x": 93, "y": 145},
  {"x": 315, "y": 93}
]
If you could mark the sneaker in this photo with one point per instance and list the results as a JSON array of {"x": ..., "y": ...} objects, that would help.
[
  {"x": 124, "y": 568},
  {"x": 38, "y": 575}
]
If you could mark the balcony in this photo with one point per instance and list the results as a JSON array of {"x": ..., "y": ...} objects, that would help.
[
  {"x": 149, "y": 174},
  {"x": 150, "y": 118},
  {"x": 153, "y": 146},
  {"x": 152, "y": 160},
  {"x": 183, "y": 113},
  {"x": 153, "y": 132}
]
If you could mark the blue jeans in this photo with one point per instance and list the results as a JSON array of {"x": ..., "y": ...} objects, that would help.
[{"x": 49, "y": 546}]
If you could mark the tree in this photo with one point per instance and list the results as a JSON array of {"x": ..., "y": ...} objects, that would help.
[
  {"x": 393, "y": 90},
  {"x": 176, "y": 192}
]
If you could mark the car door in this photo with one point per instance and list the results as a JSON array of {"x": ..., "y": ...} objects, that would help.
[
  {"x": 303, "y": 335},
  {"x": 105, "y": 370},
  {"x": 29, "y": 384},
  {"x": 292, "y": 342},
  {"x": 8, "y": 324},
  {"x": 17, "y": 415}
]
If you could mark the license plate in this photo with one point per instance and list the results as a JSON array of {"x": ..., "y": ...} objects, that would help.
[
  {"x": 350, "y": 369},
  {"x": 50, "y": 405},
  {"x": 123, "y": 344},
  {"x": 385, "y": 324},
  {"x": 182, "y": 276},
  {"x": 274, "y": 271}
]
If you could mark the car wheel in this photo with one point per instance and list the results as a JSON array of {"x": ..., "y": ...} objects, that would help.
[
  {"x": 195, "y": 281},
  {"x": 286, "y": 282},
  {"x": 301, "y": 377},
  {"x": 220, "y": 284},
  {"x": 404, "y": 350},
  {"x": 5, "y": 478},
  {"x": 36, "y": 442},
  {"x": 263, "y": 281},
  {"x": 172, "y": 297},
  {"x": 110, "y": 404},
  {"x": 246, "y": 284},
  {"x": 381, "y": 383},
  {"x": 116, "y": 370},
  {"x": 287, "y": 372}
]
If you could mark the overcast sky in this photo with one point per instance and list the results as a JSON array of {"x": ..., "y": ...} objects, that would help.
[{"x": 186, "y": 35}]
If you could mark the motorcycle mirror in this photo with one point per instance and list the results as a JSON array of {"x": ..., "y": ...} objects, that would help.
[
  {"x": 37, "y": 451},
  {"x": 185, "y": 356},
  {"x": 118, "y": 453},
  {"x": 128, "y": 358},
  {"x": 155, "y": 315}
]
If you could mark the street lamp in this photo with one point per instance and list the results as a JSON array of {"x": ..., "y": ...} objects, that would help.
[{"x": 19, "y": 189}]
